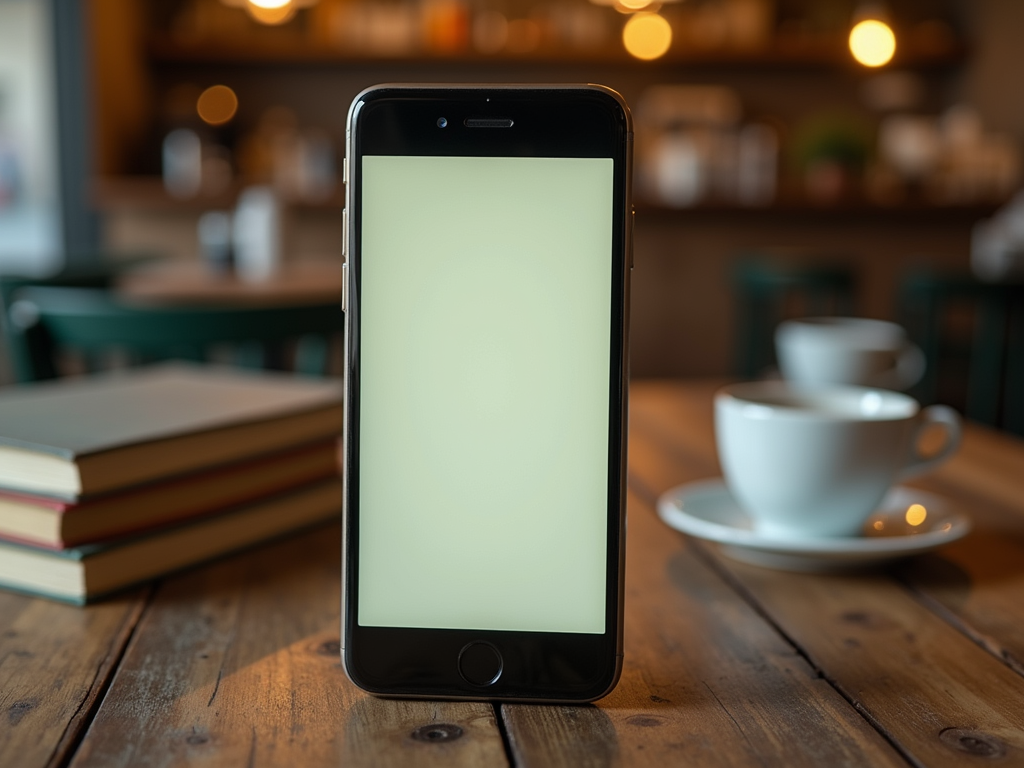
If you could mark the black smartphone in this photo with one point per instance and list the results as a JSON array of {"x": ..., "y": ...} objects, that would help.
[{"x": 488, "y": 235}]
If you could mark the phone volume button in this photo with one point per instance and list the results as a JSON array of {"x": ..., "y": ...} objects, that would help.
[
  {"x": 344, "y": 287},
  {"x": 344, "y": 232}
]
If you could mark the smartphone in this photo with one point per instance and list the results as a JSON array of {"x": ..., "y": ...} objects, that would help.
[{"x": 487, "y": 234}]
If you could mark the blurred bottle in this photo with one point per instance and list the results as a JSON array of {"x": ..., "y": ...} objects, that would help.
[
  {"x": 692, "y": 147},
  {"x": 10, "y": 173},
  {"x": 300, "y": 164},
  {"x": 316, "y": 167},
  {"x": 681, "y": 173},
  {"x": 215, "y": 241},
  {"x": 952, "y": 158},
  {"x": 256, "y": 234},
  {"x": 757, "y": 164},
  {"x": 976, "y": 164},
  {"x": 910, "y": 144},
  {"x": 183, "y": 163}
]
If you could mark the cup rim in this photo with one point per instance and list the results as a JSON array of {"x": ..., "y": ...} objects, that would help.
[
  {"x": 743, "y": 393},
  {"x": 840, "y": 321},
  {"x": 861, "y": 333}
]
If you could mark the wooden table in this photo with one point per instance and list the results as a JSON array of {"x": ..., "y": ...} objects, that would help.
[{"x": 236, "y": 663}]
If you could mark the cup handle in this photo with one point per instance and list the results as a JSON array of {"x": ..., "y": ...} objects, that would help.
[
  {"x": 911, "y": 365},
  {"x": 907, "y": 370},
  {"x": 933, "y": 414}
]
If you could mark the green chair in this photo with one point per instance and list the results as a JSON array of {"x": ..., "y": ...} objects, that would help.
[
  {"x": 770, "y": 290},
  {"x": 100, "y": 271},
  {"x": 47, "y": 322},
  {"x": 972, "y": 335}
]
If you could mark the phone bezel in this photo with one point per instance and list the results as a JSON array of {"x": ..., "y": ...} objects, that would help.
[{"x": 548, "y": 121}]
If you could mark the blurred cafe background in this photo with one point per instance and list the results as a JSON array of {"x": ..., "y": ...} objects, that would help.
[{"x": 793, "y": 157}]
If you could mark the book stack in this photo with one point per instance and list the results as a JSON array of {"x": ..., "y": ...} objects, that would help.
[{"x": 111, "y": 480}]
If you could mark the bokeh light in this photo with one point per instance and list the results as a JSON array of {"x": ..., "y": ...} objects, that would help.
[
  {"x": 217, "y": 105},
  {"x": 872, "y": 43},
  {"x": 271, "y": 16},
  {"x": 633, "y": 5},
  {"x": 647, "y": 36},
  {"x": 916, "y": 514}
]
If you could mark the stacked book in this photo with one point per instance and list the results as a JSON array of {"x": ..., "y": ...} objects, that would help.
[{"x": 111, "y": 480}]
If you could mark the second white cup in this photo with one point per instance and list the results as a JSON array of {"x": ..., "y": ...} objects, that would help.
[{"x": 847, "y": 350}]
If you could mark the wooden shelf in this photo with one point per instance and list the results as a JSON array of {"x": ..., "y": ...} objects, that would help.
[
  {"x": 790, "y": 210},
  {"x": 818, "y": 53},
  {"x": 147, "y": 193}
]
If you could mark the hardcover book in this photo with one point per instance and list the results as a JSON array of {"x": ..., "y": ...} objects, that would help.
[
  {"x": 84, "y": 573},
  {"x": 73, "y": 438},
  {"x": 48, "y": 522}
]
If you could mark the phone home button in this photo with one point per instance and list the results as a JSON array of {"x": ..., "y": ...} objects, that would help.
[{"x": 480, "y": 664}]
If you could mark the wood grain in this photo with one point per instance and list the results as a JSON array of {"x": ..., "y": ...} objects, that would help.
[
  {"x": 989, "y": 465},
  {"x": 927, "y": 686},
  {"x": 706, "y": 681},
  {"x": 978, "y": 583},
  {"x": 55, "y": 661},
  {"x": 238, "y": 664}
]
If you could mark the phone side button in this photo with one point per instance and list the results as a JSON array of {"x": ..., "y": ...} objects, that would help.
[
  {"x": 344, "y": 232},
  {"x": 344, "y": 287},
  {"x": 480, "y": 664}
]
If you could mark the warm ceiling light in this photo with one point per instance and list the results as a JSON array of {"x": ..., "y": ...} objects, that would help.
[
  {"x": 271, "y": 16},
  {"x": 647, "y": 36},
  {"x": 872, "y": 43},
  {"x": 270, "y": 3},
  {"x": 217, "y": 105},
  {"x": 633, "y": 5}
]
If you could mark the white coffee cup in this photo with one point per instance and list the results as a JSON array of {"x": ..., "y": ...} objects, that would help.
[
  {"x": 847, "y": 350},
  {"x": 816, "y": 462}
]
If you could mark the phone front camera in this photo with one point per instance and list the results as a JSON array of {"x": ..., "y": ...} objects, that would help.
[{"x": 442, "y": 122}]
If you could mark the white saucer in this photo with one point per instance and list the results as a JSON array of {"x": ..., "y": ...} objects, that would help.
[{"x": 707, "y": 510}]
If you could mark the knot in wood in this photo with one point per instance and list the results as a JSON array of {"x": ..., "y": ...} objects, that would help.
[
  {"x": 19, "y": 709},
  {"x": 643, "y": 721},
  {"x": 437, "y": 732},
  {"x": 868, "y": 620},
  {"x": 973, "y": 743},
  {"x": 329, "y": 648}
]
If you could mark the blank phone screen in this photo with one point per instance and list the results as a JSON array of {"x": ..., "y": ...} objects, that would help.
[{"x": 485, "y": 367}]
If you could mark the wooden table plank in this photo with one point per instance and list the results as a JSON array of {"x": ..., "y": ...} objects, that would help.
[
  {"x": 706, "y": 681},
  {"x": 238, "y": 663},
  {"x": 989, "y": 465},
  {"x": 928, "y": 687},
  {"x": 55, "y": 660},
  {"x": 978, "y": 583}
]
